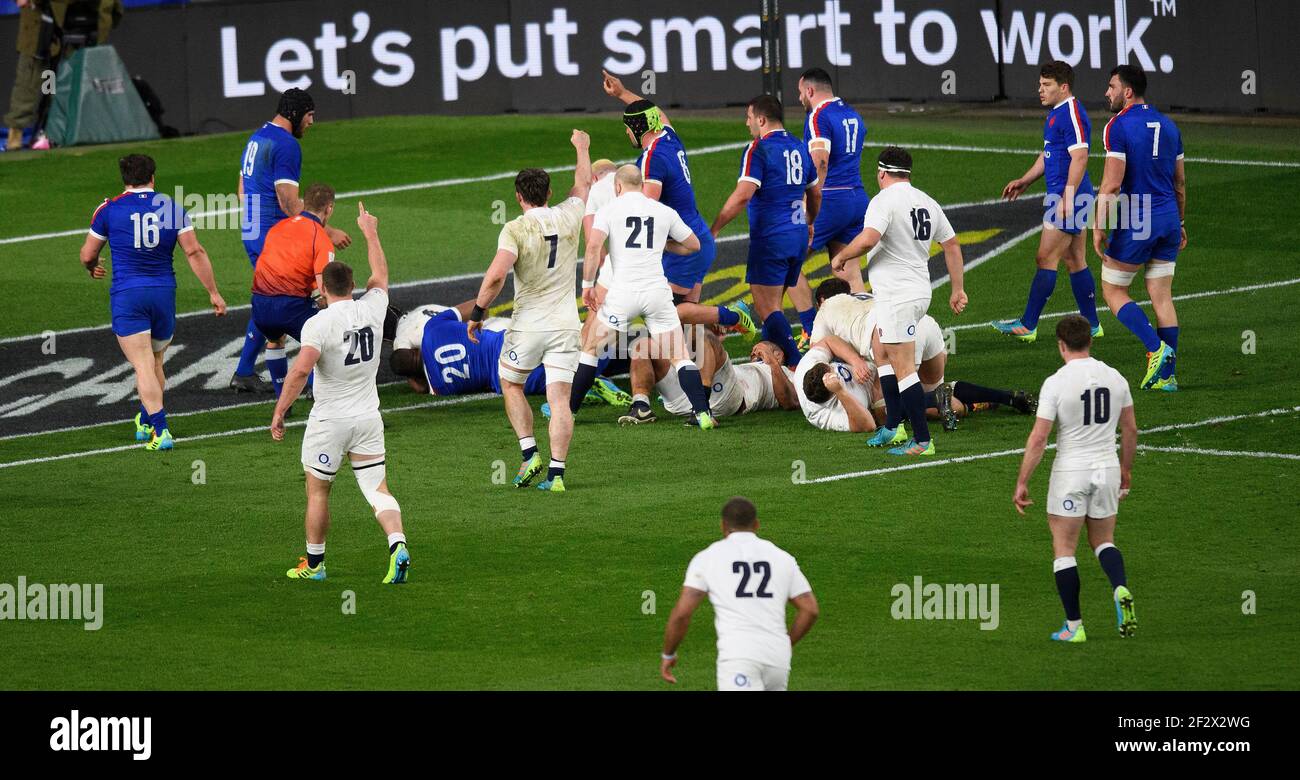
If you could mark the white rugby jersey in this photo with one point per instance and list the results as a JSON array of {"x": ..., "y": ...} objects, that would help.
[
  {"x": 756, "y": 385},
  {"x": 349, "y": 335},
  {"x": 848, "y": 317},
  {"x": 602, "y": 192},
  {"x": 749, "y": 580},
  {"x": 830, "y": 416},
  {"x": 638, "y": 228},
  {"x": 1085, "y": 398},
  {"x": 410, "y": 326},
  {"x": 545, "y": 241},
  {"x": 907, "y": 220}
]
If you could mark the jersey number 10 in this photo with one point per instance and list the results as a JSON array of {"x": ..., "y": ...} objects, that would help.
[{"x": 1096, "y": 405}]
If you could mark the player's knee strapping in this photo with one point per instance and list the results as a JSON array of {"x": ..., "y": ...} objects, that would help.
[
  {"x": 512, "y": 375},
  {"x": 370, "y": 475},
  {"x": 1118, "y": 277}
]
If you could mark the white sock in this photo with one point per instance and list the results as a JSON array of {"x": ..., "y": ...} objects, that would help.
[
  {"x": 393, "y": 538},
  {"x": 642, "y": 398},
  {"x": 1074, "y": 624}
]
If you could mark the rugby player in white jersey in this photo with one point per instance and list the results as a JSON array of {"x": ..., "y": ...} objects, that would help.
[
  {"x": 902, "y": 221},
  {"x": 759, "y": 385},
  {"x": 1087, "y": 400},
  {"x": 542, "y": 247},
  {"x": 639, "y": 231},
  {"x": 749, "y": 581},
  {"x": 342, "y": 344}
]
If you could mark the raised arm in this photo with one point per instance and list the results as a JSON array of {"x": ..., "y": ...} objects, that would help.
[
  {"x": 582, "y": 172},
  {"x": 201, "y": 265},
  {"x": 369, "y": 225},
  {"x": 613, "y": 87}
]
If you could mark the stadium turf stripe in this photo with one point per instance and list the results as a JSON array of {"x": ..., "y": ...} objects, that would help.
[
  {"x": 923, "y": 464},
  {"x": 1183, "y": 297}
]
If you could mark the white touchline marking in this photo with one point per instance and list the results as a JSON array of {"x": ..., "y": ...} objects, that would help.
[
  {"x": 922, "y": 464},
  {"x": 1183, "y": 297}
]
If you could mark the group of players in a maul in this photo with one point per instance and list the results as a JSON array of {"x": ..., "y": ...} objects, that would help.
[{"x": 865, "y": 361}]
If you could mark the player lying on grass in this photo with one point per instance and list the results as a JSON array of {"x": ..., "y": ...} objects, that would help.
[
  {"x": 142, "y": 229},
  {"x": 340, "y": 344},
  {"x": 761, "y": 384},
  {"x": 433, "y": 352},
  {"x": 1087, "y": 400}
]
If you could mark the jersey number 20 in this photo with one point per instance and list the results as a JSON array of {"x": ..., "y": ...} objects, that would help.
[{"x": 361, "y": 346}]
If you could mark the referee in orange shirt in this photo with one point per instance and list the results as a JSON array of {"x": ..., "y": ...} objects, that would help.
[{"x": 297, "y": 249}]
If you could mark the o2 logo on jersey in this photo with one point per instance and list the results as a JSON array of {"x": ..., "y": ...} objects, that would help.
[
  {"x": 844, "y": 372},
  {"x": 514, "y": 356},
  {"x": 686, "y": 172},
  {"x": 717, "y": 387},
  {"x": 742, "y": 681},
  {"x": 323, "y": 458},
  {"x": 613, "y": 319},
  {"x": 1068, "y": 504},
  {"x": 911, "y": 330}
]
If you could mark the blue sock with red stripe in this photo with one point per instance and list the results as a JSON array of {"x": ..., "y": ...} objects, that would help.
[
  {"x": 1039, "y": 291},
  {"x": 1085, "y": 294},
  {"x": 1133, "y": 318}
]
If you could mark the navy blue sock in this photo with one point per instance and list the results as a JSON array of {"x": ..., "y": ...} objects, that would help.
[
  {"x": 727, "y": 316},
  {"x": 613, "y": 366},
  {"x": 1132, "y": 317},
  {"x": 1113, "y": 564},
  {"x": 968, "y": 394},
  {"x": 776, "y": 329},
  {"x": 688, "y": 376},
  {"x": 1067, "y": 584},
  {"x": 159, "y": 421},
  {"x": 144, "y": 415},
  {"x": 893, "y": 403},
  {"x": 913, "y": 397},
  {"x": 556, "y": 469},
  {"x": 583, "y": 379},
  {"x": 1085, "y": 294},
  {"x": 278, "y": 366},
  {"x": 1039, "y": 291},
  {"x": 1169, "y": 336},
  {"x": 314, "y": 560},
  {"x": 527, "y": 448},
  {"x": 806, "y": 320},
  {"x": 253, "y": 343}
]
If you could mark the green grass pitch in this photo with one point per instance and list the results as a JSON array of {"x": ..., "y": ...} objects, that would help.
[{"x": 516, "y": 589}]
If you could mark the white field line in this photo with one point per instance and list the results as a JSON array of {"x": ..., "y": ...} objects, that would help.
[
  {"x": 700, "y": 151},
  {"x": 1221, "y": 453},
  {"x": 254, "y": 429},
  {"x": 413, "y": 283},
  {"x": 923, "y": 464},
  {"x": 1183, "y": 297}
]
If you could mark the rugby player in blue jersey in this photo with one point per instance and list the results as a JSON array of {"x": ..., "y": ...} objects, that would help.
[
  {"x": 666, "y": 177},
  {"x": 776, "y": 172},
  {"x": 1144, "y": 199},
  {"x": 142, "y": 228},
  {"x": 1063, "y": 163},
  {"x": 270, "y": 170}
]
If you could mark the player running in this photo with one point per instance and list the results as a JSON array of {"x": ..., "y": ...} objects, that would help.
[
  {"x": 759, "y": 385},
  {"x": 776, "y": 172},
  {"x": 749, "y": 581},
  {"x": 269, "y": 172},
  {"x": 667, "y": 178},
  {"x": 835, "y": 134},
  {"x": 341, "y": 345},
  {"x": 902, "y": 221},
  {"x": 1070, "y": 196},
  {"x": 541, "y": 246},
  {"x": 142, "y": 228},
  {"x": 639, "y": 231},
  {"x": 1144, "y": 168},
  {"x": 288, "y": 276},
  {"x": 1087, "y": 399}
]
